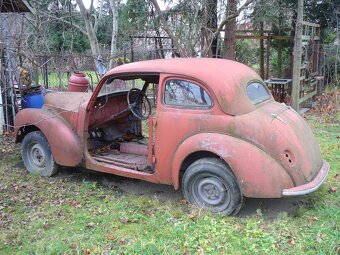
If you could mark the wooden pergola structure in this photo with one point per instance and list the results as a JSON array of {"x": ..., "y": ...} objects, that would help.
[
  {"x": 306, "y": 60},
  {"x": 264, "y": 35}
]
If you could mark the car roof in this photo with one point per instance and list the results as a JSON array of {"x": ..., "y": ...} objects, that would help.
[{"x": 227, "y": 79}]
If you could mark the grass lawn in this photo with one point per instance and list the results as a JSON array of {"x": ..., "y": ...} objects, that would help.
[
  {"x": 76, "y": 213},
  {"x": 56, "y": 80}
]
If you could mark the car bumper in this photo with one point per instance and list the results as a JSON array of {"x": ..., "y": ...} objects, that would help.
[{"x": 310, "y": 186}]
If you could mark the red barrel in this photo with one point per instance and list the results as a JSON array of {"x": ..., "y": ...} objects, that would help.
[{"x": 78, "y": 82}]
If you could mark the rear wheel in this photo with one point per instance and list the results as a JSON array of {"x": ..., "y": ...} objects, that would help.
[
  {"x": 37, "y": 155},
  {"x": 209, "y": 182}
]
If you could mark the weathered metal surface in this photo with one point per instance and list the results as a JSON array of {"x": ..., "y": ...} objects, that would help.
[
  {"x": 65, "y": 144},
  {"x": 127, "y": 160},
  {"x": 258, "y": 174},
  {"x": 310, "y": 186},
  {"x": 269, "y": 147},
  {"x": 134, "y": 148},
  {"x": 70, "y": 106},
  {"x": 285, "y": 136},
  {"x": 227, "y": 79}
]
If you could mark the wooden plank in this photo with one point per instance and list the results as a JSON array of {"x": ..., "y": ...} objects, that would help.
[
  {"x": 308, "y": 96},
  {"x": 306, "y": 37},
  {"x": 313, "y": 83},
  {"x": 259, "y": 37},
  {"x": 310, "y": 24},
  {"x": 252, "y": 31}
]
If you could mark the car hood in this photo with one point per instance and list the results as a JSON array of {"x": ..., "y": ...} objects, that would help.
[{"x": 67, "y": 105}]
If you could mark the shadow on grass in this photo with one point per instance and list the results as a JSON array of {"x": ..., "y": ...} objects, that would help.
[{"x": 269, "y": 208}]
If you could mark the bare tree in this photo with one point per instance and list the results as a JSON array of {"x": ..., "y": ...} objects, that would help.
[
  {"x": 91, "y": 27},
  {"x": 114, "y": 11},
  {"x": 210, "y": 28},
  {"x": 166, "y": 27}
]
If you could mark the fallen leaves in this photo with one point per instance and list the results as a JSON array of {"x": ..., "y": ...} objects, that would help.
[
  {"x": 337, "y": 177},
  {"x": 312, "y": 219},
  {"x": 111, "y": 237},
  {"x": 319, "y": 238},
  {"x": 125, "y": 220},
  {"x": 291, "y": 241},
  {"x": 332, "y": 189},
  {"x": 326, "y": 102},
  {"x": 74, "y": 246},
  {"x": 90, "y": 225},
  {"x": 76, "y": 204},
  {"x": 86, "y": 251},
  {"x": 46, "y": 226}
]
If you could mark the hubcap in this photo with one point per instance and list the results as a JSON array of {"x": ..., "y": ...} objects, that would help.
[
  {"x": 211, "y": 191},
  {"x": 37, "y": 155}
]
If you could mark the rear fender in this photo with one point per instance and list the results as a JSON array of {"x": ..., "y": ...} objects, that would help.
[
  {"x": 257, "y": 173},
  {"x": 65, "y": 144}
]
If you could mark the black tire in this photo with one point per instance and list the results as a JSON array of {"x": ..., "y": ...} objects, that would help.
[
  {"x": 209, "y": 182},
  {"x": 37, "y": 155}
]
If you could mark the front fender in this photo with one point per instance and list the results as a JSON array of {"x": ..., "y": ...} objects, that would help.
[
  {"x": 65, "y": 144},
  {"x": 258, "y": 174}
]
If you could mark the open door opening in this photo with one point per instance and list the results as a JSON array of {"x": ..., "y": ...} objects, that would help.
[{"x": 120, "y": 131}]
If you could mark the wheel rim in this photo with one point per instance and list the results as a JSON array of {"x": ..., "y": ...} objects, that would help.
[
  {"x": 36, "y": 155},
  {"x": 211, "y": 191}
]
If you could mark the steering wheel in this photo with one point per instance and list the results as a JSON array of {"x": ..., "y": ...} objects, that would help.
[{"x": 138, "y": 104}]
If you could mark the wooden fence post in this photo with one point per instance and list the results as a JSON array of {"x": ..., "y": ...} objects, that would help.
[{"x": 297, "y": 58}]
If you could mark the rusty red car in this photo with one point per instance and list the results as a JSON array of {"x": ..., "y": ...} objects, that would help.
[{"x": 210, "y": 126}]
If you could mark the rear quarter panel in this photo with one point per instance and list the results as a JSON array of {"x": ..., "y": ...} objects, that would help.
[{"x": 257, "y": 173}]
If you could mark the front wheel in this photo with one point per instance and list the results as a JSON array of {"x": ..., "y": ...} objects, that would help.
[
  {"x": 209, "y": 182},
  {"x": 37, "y": 155}
]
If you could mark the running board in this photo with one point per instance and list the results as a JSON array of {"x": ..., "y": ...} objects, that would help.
[{"x": 126, "y": 160}]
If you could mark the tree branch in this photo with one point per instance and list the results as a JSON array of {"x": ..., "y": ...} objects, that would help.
[
  {"x": 100, "y": 14},
  {"x": 65, "y": 21},
  {"x": 166, "y": 28},
  {"x": 232, "y": 16}
]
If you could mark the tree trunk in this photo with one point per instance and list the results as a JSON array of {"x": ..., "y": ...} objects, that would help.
[
  {"x": 91, "y": 34},
  {"x": 229, "y": 37},
  {"x": 114, "y": 10},
  {"x": 208, "y": 40},
  {"x": 279, "y": 59},
  {"x": 261, "y": 52}
]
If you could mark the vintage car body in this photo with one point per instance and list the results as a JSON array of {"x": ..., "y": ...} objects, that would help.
[{"x": 207, "y": 127}]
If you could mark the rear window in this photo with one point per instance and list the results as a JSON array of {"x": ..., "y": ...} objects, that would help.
[{"x": 257, "y": 92}]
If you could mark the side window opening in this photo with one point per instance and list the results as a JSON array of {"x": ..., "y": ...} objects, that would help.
[
  {"x": 257, "y": 92},
  {"x": 186, "y": 94}
]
